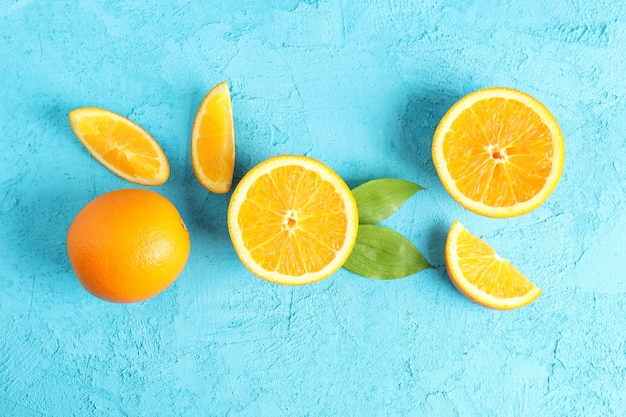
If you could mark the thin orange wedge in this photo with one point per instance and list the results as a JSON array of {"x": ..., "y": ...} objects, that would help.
[
  {"x": 498, "y": 152},
  {"x": 481, "y": 275},
  {"x": 121, "y": 145},
  {"x": 292, "y": 220},
  {"x": 213, "y": 141}
]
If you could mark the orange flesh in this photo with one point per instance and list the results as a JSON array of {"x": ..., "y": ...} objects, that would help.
[
  {"x": 135, "y": 157},
  {"x": 483, "y": 268},
  {"x": 282, "y": 226},
  {"x": 215, "y": 144},
  {"x": 499, "y": 152}
]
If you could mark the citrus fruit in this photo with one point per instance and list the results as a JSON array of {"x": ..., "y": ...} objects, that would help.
[
  {"x": 128, "y": 245},
  {"x": 121, "y": 145},
  {"x": 213, "y": 141},
  {"x": 481, "y": 275},
  {"x": 292, "y": 220},
  {"x": 498, "y": 152}
]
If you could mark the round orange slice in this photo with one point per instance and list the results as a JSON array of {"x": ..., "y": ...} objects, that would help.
[
  {"x": 292, "y": 220},
  {"x": 122, "y": 146},
  {"x": 213, "y": 141},
  {"x": 480, "y": 274},
  {"x": 498, "y": 152}
]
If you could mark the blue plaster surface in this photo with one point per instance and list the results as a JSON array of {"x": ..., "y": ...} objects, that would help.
[{"x": 361, "y": 86}]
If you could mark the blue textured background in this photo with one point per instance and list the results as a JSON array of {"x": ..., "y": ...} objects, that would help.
[{"x": 361, "y": 86}]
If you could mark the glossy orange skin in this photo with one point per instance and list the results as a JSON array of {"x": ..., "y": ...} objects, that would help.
[{"x": 128, "y": 245}]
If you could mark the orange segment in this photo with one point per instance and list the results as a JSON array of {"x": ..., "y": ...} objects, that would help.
[
  {"x": 213, "y": 141},
  {"x": 498, "y": 152},
  {"x": 292, "y": 220},
  {"x": 480, "y": 274},
  {"x": 121, "y": 145}
]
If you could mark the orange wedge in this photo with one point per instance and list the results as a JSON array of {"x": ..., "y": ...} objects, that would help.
[
  {"x": 498, "y": 152},
  {"x": 292, "y": 220},
  {"x": 121, "y": 145},
  {"x": 481, "y": 275},
  {"x": 213, "y": 141}
]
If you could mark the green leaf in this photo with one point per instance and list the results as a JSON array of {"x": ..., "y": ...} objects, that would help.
[
  {"x": 383, "y": 253},
  {"x": 378, "y": 199}
]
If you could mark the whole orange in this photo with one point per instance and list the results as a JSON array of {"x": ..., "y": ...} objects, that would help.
[{"x": 128, "y": 245}]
